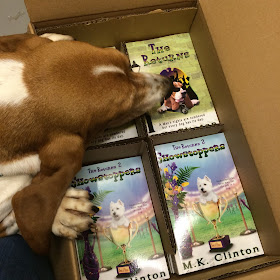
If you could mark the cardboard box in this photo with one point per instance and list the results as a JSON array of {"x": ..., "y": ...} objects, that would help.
[{"x": 237, "y": 46}]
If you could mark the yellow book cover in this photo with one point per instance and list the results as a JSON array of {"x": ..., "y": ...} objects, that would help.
[{"x": 188, "y": 104}]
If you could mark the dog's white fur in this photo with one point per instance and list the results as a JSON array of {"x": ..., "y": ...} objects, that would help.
[
  {"x": 12, "y": 88},
  {"x": 99, "y": 70},
  {"x": 205, "y": 188},
  {"x": 27, "y": 165},
  {"x": 117, "y": 211},
  {"x": 57, "y": 37}
]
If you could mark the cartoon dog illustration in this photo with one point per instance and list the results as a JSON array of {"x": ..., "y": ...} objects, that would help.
[{"x": 179, "y": 99}]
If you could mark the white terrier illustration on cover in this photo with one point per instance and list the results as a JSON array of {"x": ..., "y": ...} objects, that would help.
[
  {"x": 209, "y": 212},
  {"x": 125, "y": 239}
]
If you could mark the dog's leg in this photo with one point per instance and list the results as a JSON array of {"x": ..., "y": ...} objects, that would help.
[
  {"x": 72, "y": 215},
  {"x": 149, "y": 123},
  {"x": 162, "y": 108},
  {"x": 36, "y": 205},
  {"x": 195, "y": 102}
]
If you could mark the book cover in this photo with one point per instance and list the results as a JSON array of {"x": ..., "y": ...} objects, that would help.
[
  {"x": 209, "y": 212},
  {"x": 127, "y": 131},
  {"x": 125, "y": 241},
  {"x": 189, "y": 103}
]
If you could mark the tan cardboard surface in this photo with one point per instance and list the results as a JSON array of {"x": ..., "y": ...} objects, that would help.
[
  {"x": 246, "y": 35},
  {"x": 250, "y": 104},
  {"x": 271, "y": 273},
  {"x": 112, "y": 32},
  {"x": 52, "y": 9},
  {"x": 240, "y": 150}
]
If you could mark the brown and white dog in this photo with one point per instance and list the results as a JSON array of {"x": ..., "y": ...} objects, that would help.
[{"x": 55, "y": 95}]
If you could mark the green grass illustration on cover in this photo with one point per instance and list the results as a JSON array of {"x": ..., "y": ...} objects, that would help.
[
  {"x": 124, "y": 241},
  {"x": 188, "y": 104},
  {"x": 210, "y": 215}
]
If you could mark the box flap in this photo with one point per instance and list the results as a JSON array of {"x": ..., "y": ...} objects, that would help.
[
  {"x": 246, "y": 35},
  {"x": 52, "y": 9}
]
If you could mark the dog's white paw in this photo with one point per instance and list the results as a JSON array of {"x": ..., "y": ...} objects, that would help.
[
  {"x": 72, "y": 216},
  {"x": 215, "y": 199},
  {"x": 162, "y": 109},
  {"x": 203, "y": 200},
  {"x": 195, "y": 102},
  {"x": 57, "y": 37},
  {"x": 8, "y": 226}
]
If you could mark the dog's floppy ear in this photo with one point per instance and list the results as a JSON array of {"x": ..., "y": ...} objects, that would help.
[
  {"x": 36, "y": 205},
  {"x": 207, "y": 178},
  {"x": 198, "y": 180}
]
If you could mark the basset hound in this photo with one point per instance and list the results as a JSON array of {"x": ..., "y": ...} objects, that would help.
[{"x": 53, "y": 100}]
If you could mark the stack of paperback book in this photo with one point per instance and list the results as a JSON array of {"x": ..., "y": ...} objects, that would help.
[
  {"x": 210, "y": 215},
  {"x": 202, "y": 197},
  {"x": 189, "y": 104},
  {"x": 125, "y": 241}
]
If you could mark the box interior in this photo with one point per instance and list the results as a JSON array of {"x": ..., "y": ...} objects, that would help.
[
  {"x": 112, "y": 31},
  {"x": 52, "y": 12}
]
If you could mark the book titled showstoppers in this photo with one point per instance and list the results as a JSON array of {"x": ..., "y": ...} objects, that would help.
[
  {"x": 209, "y": 212},
  {"x": 125, "y": 241}
]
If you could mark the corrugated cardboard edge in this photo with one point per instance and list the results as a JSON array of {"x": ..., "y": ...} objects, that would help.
[
  {"x": 65, "y": 10},
  {"x": 102, "y": 19},
  {"x": 253, "y": 268}
]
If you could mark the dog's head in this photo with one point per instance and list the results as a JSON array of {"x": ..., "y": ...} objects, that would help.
[
  {"x": 204, "y": 185},
  {"x": 117, "y": 209},
  {"x": 131, "y": 94},
  {"x": 95, "y": 86}
]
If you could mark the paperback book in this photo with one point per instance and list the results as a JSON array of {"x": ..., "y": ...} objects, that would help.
[
  {"x": 188, "y": 104},
  {"x": 124, "y": 241},
  {"x": 210, "y": 215},
  {"x": 126, "y": 131}
]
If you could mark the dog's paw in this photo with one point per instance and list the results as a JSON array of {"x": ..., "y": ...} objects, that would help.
[
  {"x": 184, "y": 109},
  {"x": 72, "y": 216},
  {"x": 57, "y": 37},
  {"x": 161, "y": 110},
  {"x": 195, "y": 102},
  {"x": 202, "y": 201},
  {"x": 215, "y": 199},
  {"x": 8, "y": 226}
]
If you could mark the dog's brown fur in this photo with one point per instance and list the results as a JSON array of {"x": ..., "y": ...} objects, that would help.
[{"x": 66, "y": 107}]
